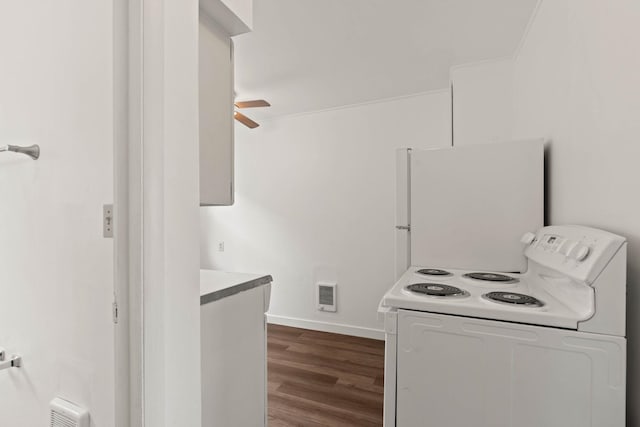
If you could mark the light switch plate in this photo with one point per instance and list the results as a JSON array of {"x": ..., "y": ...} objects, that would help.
[{"x": 107, "y": 221}]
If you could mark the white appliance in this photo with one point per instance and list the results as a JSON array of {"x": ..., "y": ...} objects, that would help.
[
  {"x": 451, "y": 202},
  {"x": 543, "y": 348}
]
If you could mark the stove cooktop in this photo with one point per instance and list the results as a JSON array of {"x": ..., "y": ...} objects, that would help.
[{"x": 509, "y": 297}]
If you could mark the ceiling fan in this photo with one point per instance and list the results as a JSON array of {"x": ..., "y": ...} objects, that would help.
[{"x": 248, "y": 104}]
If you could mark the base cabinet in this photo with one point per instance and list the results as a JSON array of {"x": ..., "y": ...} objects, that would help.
[{"x": 234, "y": 370}]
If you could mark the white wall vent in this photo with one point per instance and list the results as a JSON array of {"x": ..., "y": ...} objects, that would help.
[
  {"x": 67, "y": 414},
  {"x": 326, "y": 296}
]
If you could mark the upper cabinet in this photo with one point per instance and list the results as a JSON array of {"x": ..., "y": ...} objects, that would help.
[
  {"x": 216, "y": 115},
  {"x": 219, "y": 20},
  {"x": 232, "y": 16}
]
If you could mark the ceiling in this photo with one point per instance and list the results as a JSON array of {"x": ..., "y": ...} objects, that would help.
[{"x": 310, "y": 55}]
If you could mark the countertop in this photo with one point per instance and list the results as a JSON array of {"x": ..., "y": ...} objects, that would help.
[{"x": 215, "y": 284}]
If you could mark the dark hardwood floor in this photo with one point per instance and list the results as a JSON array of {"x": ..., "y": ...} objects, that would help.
[{"x": 322, "y": 379}]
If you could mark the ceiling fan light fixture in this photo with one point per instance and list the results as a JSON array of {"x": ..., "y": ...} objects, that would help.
[
  {"x": 252, "y": 104},
  {"x": 245, "y": 120},
  {"x": 248, "y": 104}
]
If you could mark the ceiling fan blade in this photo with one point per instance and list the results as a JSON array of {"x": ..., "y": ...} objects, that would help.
[
  {"x": 252, "y": 104},
  {"x": 245, "y": 120}
]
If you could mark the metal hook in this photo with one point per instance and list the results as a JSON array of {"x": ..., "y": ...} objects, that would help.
[{"x": 32, "y": 151}]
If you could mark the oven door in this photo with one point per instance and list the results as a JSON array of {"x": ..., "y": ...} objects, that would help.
[{"x": 459, "y": 372}]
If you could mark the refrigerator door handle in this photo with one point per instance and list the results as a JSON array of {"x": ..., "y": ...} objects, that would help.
[{"x": 403, "y": 227}]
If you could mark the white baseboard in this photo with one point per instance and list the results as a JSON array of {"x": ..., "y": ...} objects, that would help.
[{"x": 336, "y": 328}]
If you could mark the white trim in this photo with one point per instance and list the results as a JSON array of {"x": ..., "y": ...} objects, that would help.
[
  {"x": 358, "y": 104},
  {"x": 224, "y": 17},
  {"x": 135, "y": 22},
  {"x": 511, "y": 57},
  {"x": 166, "y": 126},
  {"x": 121, "y": 211},
  {"x": 478, "y": 63},
  {"x": 336, "y": 328},
  {"x": 127, "y": 37},
  {"x": 527, "y": 30}
]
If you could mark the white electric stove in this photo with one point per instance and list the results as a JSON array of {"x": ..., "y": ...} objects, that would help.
[{"x": 486, "y": 349}]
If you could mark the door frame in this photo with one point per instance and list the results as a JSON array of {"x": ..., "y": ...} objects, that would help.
[
  {"x": 156, "y": 207},
  {"x": 128, "y": 214}
]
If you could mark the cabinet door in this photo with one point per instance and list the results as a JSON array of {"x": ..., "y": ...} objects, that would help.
[
  {"x": 233, "y": 360},
  {"x": 216, "y": 115}
]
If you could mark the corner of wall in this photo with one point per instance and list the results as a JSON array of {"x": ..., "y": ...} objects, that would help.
[
  {"x": 474, "y": 64},
  {"x": 527, "y": 29}
]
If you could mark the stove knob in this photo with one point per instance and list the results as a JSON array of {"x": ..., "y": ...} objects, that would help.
[
  {"x": 579, "y": 252},
  {"x": 528, "y": 238},
  {"x": 582, "y": 252}
]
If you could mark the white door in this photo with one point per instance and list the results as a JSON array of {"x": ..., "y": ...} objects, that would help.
[
  {"x": 56, "y": 269},
  {"x": 460, "y": 372}
]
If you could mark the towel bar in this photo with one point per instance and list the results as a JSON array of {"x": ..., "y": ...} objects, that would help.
[{"x": 32, "y": 151}]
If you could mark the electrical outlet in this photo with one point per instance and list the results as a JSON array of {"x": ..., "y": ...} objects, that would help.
[{"x": 220, "y": 246}]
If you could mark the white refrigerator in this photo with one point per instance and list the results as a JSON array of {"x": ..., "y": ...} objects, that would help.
[{"x": 452, "y": 201}]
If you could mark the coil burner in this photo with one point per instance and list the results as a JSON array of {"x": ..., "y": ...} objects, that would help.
[
  {"x": 436, "y": 290},
  {"x": 434, "y": 272},
  {"x": 514, "y": 299},
  {"x": 491, "y": 277}
]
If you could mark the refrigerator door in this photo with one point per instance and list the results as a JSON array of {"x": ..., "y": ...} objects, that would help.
[
  {"x": 470, "y": 205},
  {"x": 403, "y": 220}
]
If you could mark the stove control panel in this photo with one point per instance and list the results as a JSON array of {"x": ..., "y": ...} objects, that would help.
[
  {"x": 572, "y": 249},
  {"x": 576, "y": 251}
]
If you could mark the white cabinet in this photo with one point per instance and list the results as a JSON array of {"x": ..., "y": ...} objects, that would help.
[
  {"x": 233, "y": 16},
  {"x": 233, "y": 348},
  {"x": 219, "y": 21},
  {"x": 216, "y": 114}
]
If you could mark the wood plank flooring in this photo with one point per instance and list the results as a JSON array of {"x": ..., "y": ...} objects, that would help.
[{"x": 322, "y": 379}]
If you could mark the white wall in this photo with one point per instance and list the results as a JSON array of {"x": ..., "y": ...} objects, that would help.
[
  {"x": 315, "y": 198},
  {"x": 577, "y": 82},
  {"x": 171, "y": 203},
  {"x": 56, "y": 273},
  {"x": 482, "y": 102}
]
